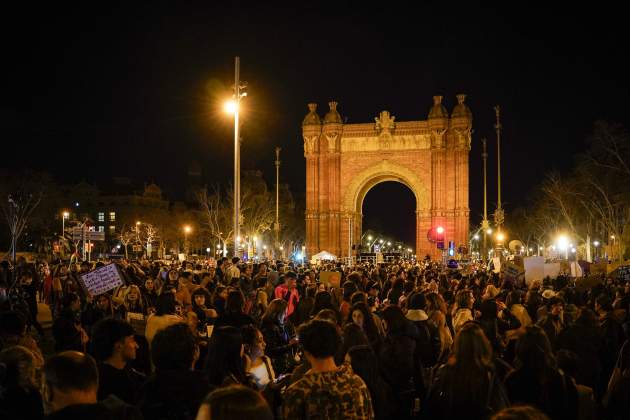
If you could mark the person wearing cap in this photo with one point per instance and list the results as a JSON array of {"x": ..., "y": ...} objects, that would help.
[{"x": 287, "y": 290}]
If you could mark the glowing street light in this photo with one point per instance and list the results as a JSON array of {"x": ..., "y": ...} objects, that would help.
[
  {"x": 440, "y": 230},
  {"x": 489, "y": 231},
  {"x": 65, "y": 215},
  {"x": 500, "y": 237},
  {"x": 369, "y": 237},
  {"x": 380, "y": 241},
  {"x": 476, "y": 237},
  {"x": 563, "y": 245}
]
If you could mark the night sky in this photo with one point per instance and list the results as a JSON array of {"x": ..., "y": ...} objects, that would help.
[{"x": 94, "y": 91}]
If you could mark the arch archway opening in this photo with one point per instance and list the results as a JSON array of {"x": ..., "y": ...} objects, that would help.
[{"x": 387, "y": 208}]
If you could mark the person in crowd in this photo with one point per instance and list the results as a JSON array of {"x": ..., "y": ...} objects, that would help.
[
  {"x": 537, "y": 381},
  {"x": 257, "y": 364},
  {"x": 552, "y": 322},
  {"x": 521, "y": 412},
  {"x": 149, "y": 296},
  {"x": 67, "y": 329},
  {"x": 584, "y": 338},
  {"x": 219, "y": 298},
  {"x": 514, "y": 304},
  {"x": 13, "y": 332},
  {"x": 234, "y": 402},
  {"x": 20, "y": 384},
  {"x": 467, "y": 386},
  {"x": 113, "y": 345},
  {"x": 462, "y": 313},
  {"x": 353, "y": 335},
  {"x": 225, "y": 363},
  {"x": 98, "y": 308},
  {"x": 234, "y": 314},
  {"x": 142, "y": 362},
  {"x": 165, "y": 315},
  {"x": 233, "y": 273},
  {"x": 533, "y": 301},
  {"x": 201, "y": 306},
  {"x": 175, "y": 391},
  {"x": 288, "y": 291},
  {"x": 349, "y": 287},
  {"x": 397, "y": 361},
  {"x": 278, "y": 336},
  {"x": 494, "y": 327},
  {"x": 132, "y": 302},
  {"x": 428, "y": 345},
  {"x": 326, "y": 391},
  {"x": 71, "y": 388},
  {"x": 323, "y": 300},
  {"x": 613, "y": 338},
  {"x": 305, "y": 306},
  {"x": 28, "y": 284},
  {"x": 360, "y": 315},
  {"x": 175, "y": 286},
  {"x": 568, "y": 363},
  {"x": 365, "y": 364}
]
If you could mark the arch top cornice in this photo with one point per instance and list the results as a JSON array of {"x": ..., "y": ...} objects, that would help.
[{"x": 384, "y": 171}]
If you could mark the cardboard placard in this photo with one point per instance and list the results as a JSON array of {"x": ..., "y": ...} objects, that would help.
[
  {"x": 137, "y": 321},
  {"x": 534, "y": 269},
  {"x": 496, "y": 262},
  {"x": 102, "y": 279},
  {"x": 552, "y": 270},
  {"x": 330, "y": 279}
]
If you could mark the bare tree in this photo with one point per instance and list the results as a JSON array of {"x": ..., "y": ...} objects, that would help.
[
  {"x": 216, "y": 210},
  {"x": 126, "y": 236}
]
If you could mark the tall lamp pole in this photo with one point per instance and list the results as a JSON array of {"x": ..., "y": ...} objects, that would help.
[
  {"x": 499, "y": 216},
  {"x": 484, "y": 223},
  {"x": 234, "y": 106},
  {"x": 277, "y": 225}
]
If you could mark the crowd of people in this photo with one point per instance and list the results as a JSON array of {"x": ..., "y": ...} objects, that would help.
[{"x": 273, "y": 340}]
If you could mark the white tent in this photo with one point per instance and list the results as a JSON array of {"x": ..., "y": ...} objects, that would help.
[{"x": 324, "y": 255}]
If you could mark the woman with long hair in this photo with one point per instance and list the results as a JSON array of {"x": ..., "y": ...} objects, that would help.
[
  {"x": 466, "y": 386},
  {"x": 149, "y": 295},
  {"x": 224, "y": 362},
  {"x": 132, "y": 301},
  {"x": 351, "y": 336},
  {"x": 537, "y": 381},
  {"x": 164, "y": 316},
  {"x": 446, "y": 340},
  {"x": 278, "y": 335},
  {"x": 234, "y": 314},
  {"x": 361, "y": 316}
]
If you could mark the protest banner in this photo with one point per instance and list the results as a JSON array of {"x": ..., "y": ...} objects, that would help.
[
  {"x": 534, "y": 269},
  {"x": 576, "y": 269},
  {"x": 102, "y": 279},
  {"x": 513, "y": 272},
  {"x": 551, "y": 270},
  {"x": 330, "y": 279}
]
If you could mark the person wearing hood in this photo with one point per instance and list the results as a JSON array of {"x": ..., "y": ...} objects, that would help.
[
  {"x": 462, "y": 313},
  {"x": 428, "y": 345}
]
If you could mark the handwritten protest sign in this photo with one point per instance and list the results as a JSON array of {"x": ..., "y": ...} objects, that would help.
[
  {"x": 102, "y": 279},
  {"x": 496, "y": 262}
]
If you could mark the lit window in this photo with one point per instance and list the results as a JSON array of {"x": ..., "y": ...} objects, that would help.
[
  {"x": 112, "y": 229},
  {"x": 101, "y": 217},
  {"x": 101, "y": 228},
  {"x": 112, "y": 216}
]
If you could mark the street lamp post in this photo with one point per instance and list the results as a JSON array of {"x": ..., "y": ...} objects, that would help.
[
  {"x": 64, "y": 216},
  {"x": 277, "y": 225},
  {"x": 234, "y": 106},
  {"x": 499, "y": 215},
  {"x": 485, "y": 225}
]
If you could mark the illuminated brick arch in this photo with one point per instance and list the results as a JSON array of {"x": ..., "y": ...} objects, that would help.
[{"x": 344, "y": 161}]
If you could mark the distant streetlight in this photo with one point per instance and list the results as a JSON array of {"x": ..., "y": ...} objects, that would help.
[
  {"x": 563, "y": 245},
  {"x": 489, "y": 231},
  {"x": 380, "y": 241},
  {"x": 476, "y": 237},
  {"x": 65, "y": 215},
  {"x": 187, "y": 230}
]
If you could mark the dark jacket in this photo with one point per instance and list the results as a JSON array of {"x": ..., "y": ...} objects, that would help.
[
  {"x": 65, "y": 332},
  {"x": 173, "y": 394},
  {"x": 278, "y": 349},
  {"x": 110, "y": 409},
  {"x": 556, "y": 396}
]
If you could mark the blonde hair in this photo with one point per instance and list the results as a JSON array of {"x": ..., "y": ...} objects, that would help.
[{"x": 135, "y": 289}]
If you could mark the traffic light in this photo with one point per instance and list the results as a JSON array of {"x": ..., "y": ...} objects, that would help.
[
  {"x": 439, "y": 237},
  {"x": 451, "y": 248}
]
